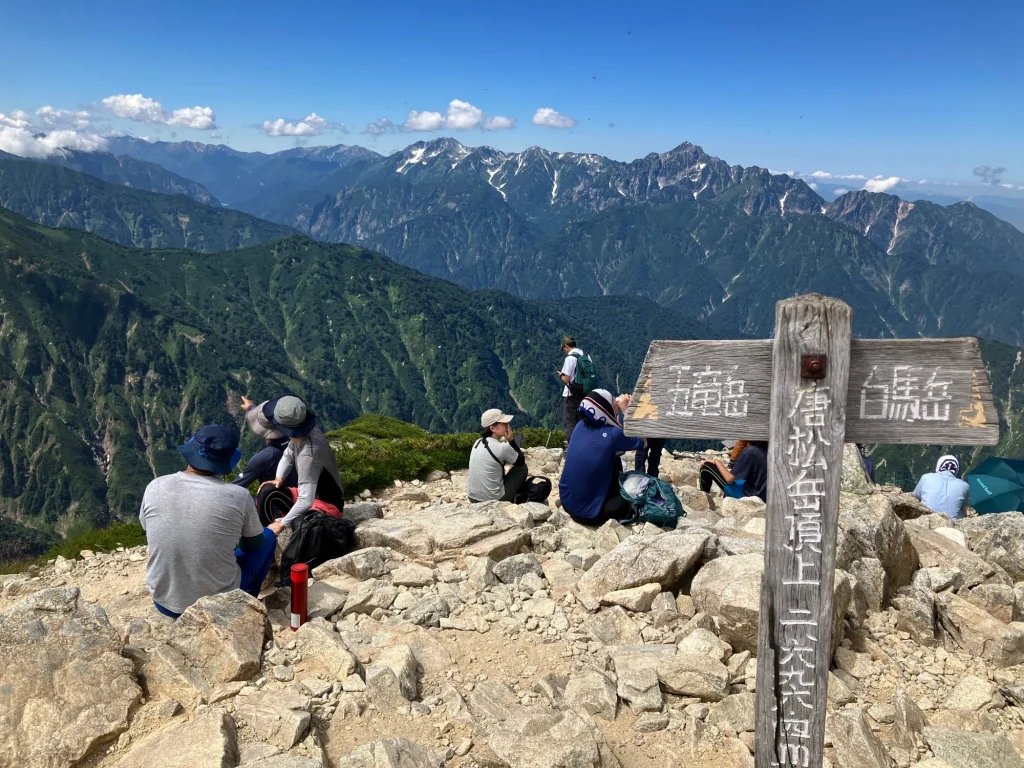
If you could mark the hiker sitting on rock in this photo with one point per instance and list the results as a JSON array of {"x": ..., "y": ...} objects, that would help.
[
  {"x": 309, "y": 453},
  {"x": 496, "y": 449},
  {"x": 943, "y": 491},
  {"x": 263, "y": 465},
  {"x": 204, "y": 536},
  {"x": 748, "y": 475},
  {"x": 589, "y": 486}
]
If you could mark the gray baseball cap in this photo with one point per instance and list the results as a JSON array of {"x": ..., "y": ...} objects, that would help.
[{"x": 290, "y": 416}]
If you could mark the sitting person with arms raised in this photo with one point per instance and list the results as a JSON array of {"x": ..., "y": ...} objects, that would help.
[
  {"x": 204, "y": 535},
  {"x": 263, "y": 465},
  {"x": 495, "y": 450},
  {"x": 943, "y": 491},
  {"x": 748, "y": 475},
  {"x": 312, "y": 458},
  {"x": 589, "y": 486}
]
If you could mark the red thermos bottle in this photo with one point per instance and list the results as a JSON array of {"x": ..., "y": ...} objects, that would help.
[{"x": 300, "y": 582}]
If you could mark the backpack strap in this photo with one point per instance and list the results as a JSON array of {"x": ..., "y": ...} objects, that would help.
[{"x": 500, "y": 462}]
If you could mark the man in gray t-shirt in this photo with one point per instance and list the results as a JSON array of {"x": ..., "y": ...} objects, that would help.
[
  {"x": 204, "y": 535},
  {"x": 487, "y": 480}
]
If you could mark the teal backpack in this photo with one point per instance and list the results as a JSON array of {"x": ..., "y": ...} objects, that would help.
[
  {"x": 652, "y": 500},
  {"x": 584, "y": 381}
]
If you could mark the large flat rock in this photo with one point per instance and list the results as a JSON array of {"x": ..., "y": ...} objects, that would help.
[
  {"x": 447, "y": 532},
  {"x": 980, "y": 634},
  {"x": 207, "y": 741},
  {"x": 638, "y": 560},
  {"x": 222, "y": 636},
  {"x": 65, "y": 687},
  {"x": 938, "y": 551}
]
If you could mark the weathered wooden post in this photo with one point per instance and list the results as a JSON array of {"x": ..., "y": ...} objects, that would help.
[
  {"x": 794, "y": 392},
  {"x": 810, "y": 372}
]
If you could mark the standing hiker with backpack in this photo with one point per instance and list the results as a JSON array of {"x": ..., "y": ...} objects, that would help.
[{"x": 579, "y": 377}]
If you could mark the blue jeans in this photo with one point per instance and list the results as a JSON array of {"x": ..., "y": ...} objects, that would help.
[{"x": 254, "y": 564}]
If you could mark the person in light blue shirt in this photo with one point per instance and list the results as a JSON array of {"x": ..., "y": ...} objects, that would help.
[{"x": 943, "y": 491}]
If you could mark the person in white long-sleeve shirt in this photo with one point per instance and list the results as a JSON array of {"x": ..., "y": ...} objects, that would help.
[{"x": 308, "y": 452}]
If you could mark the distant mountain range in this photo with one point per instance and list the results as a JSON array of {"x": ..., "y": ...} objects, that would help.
[
  {"x": 236, "y": 177},
  {"x": 126, "y": 171},
  {"x": 61, "y": 197},
  {"x": 717, "y": 242},
  {"x": 111, "y": 356}
]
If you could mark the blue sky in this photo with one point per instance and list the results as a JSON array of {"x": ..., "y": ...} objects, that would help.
[{"x": 898, "y": 89}]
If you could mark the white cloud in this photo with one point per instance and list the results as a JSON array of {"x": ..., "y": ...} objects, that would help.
[
  {"x": 462, "y": 115},
  {"x": 923, "y": 181},
  {"x": 311, "y": 125},
  {"x": 423, "y": 121},
  {"x": 196, "y": 118},
  {"x": 63, "y": 118},
  {"x": 17, "y": 120},
  {"x": 215, "y": 135},
  {"x": 813, "y": 185},
  {"x": 827, "y": 175},
  {"x": 380, "y": 127},
  {"x": 499, "y": 123},
  {"x": 20, "y": 140},
  {"x": 841, "y": 191},
  {"x": 883, "y": 184},
  {"x": 549, "y": 118},
  {"x": 142, "y": 109},
  {"x": 1008, "y": 186}
]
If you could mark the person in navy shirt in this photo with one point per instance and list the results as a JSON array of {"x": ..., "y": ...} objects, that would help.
[{"x": 589, "y": 486}]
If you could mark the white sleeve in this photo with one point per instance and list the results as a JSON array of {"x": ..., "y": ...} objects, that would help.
[
  {"x": 569, "y": 366},
  {"x": 307, "y": 492},
  {"x": 284, "y": 466}
]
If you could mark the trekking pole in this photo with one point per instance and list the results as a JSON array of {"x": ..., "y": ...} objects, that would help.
[{"x": 558, "y": 409}]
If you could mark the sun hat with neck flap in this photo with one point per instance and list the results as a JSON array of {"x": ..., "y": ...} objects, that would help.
[
  {"x": 290, "y": 416},
  {"x": 260, "y": 424}
]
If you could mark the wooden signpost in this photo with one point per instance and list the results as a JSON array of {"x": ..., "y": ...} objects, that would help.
[{"x": 807, "y": 392}]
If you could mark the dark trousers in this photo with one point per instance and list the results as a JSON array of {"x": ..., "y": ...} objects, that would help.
[
  {"x": 648, "y": 458},
  {"x": 254, "y": 564},
  {"x": 514, "y": 481},
  {"x": 570, "y": 415},
  {"x": 710, "y": 474}
]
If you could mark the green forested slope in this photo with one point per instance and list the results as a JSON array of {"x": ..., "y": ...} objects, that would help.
[
  {"x": 62, "y": 197},
  {"x": 110, "y": 355}
]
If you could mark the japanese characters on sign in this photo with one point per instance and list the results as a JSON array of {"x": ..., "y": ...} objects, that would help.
[
  {"x": 713, "y": 391},
  {"x": 910, "y": 393},
  {"x": 797, "y": 629}
]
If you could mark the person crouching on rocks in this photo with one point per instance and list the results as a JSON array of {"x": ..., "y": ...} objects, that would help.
[
  {"x": 204, "y": 535},
  {"x": 312, "y": 457},
  {"x": 496, "y": 449},
  {"x": 589, "y": 486}
]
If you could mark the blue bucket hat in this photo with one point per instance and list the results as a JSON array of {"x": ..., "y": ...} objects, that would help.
[
  {"x": 212, "y": 449},
  {"x": 290, "y": 416}
]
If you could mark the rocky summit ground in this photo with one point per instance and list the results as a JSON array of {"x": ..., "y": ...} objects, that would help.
[{"x": 502, "y": 635}]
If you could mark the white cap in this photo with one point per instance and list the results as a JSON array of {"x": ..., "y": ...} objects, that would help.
[{"x": 494, "y": 416}]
